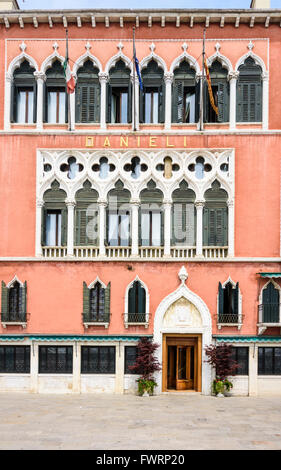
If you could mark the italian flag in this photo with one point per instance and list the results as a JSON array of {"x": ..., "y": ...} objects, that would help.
[{"x": 70, "y": 82}]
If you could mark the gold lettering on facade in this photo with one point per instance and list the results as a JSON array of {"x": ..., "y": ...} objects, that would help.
[
  {"x": 138, "y": 141},
  {"x": 106, "y": 142},
  {"x": 124, "y": 141},
  {"x": 152, "y": 142},
  {"x": 167, "y": 142},
  {"x": 89, "y": 141},
  {"x": 184, "y": 141}
]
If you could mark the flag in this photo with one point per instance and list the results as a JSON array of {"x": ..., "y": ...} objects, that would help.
[
  {"x": 137, "y": 64},
  {"x": 138, "y": 73},
  {"x": 70, "y": 82},
  {"x": 215, "y": 108}
]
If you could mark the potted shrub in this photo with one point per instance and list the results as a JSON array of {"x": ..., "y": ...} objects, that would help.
[
  {"x": 145, "y": 365},
  {"x": 220, "y": 357}
]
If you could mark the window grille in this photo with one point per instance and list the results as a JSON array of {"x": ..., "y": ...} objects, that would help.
[
  {"x": 55, "y": 359},
  {"x": 269, "y": 361},
  {"x": 130, "y": 358},
  {"x": 15, "y": 359},
  {"x": 98, "y": 359}
]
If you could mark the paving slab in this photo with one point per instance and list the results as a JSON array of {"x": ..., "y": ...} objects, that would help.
[{"x": 125, "y": 422}]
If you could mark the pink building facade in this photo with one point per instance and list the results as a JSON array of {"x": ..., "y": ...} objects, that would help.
[{"x": 121, "y": 216}]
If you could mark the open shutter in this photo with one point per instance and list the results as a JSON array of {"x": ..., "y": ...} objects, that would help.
[
  {"x": 86, "y": 303},
  {"x": 162, "y": 228},
  {"x": 97, "y": 103},
  {"x": 81, "y": 221},
  {"x": 190, "y": 225},
  {"x": 85, "y": 103},
  {"x": 223, "y": 102},
  {"x": 78, "y": 103},
  {"x": 107, "y": 300},
  {"x": 161, "y": 117},
  {"x": 141, "y": 298},
  {"x": 221, "y": 299},
  {"x": 130, "y": 103},
  {"x": 132, "y": 299},
  {"x": 141, "y": 105},
  {"x": 45, "y": 103},
  {"x": 108, "y": 102},
  {"x": 197, "y": 101},
  {"x": 64, "y": 227},
  {"x": 235, "y": 297},
  {"x": 22, "y": 302},
  {"x": 205, "y": 226},
  {"x": 34, "y": 102},
  {"x": 178, "y": 103},
  {"x": 13, "y": 110},
  {"x": 4, "y": 302},
  {"x": 43, "y": 226}
]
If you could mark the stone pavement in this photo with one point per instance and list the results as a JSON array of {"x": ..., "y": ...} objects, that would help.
[{"x": 169, "y": 421}]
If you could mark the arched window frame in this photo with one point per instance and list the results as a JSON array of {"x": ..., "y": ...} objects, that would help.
[
  {"x": 23, "y": 79},
  {"x": 17, "y": 317},
  {"x": 180, "y": 82},
  {"x": 151, "y": 83},
  {"x": 58, "y": 85},
  {"x": 87, "y": 93},
  {"x": 235, "y": 319},
  {"x": 144, "y": 318},
  {"x": 88, "y": 319},
  {"x": 116, "y": 87},
  {"x": 250, "y": 86},
  {"x": 262, "y": 325}
]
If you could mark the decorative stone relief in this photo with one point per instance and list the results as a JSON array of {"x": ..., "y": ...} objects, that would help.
[{"x": 182, "y": 313}]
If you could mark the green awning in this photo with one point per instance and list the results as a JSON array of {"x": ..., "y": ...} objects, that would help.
[
  {"x": 247, "y": 339},
  {"x": 72, "y": 337},
  {"x": 270, "y": 275}
]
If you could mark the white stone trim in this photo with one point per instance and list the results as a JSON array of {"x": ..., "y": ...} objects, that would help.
[
  {"x": 205, "y": 330},
  {"x": 83, "y": 58},
  {"x": 240, "y": 311},
  {"x": 12, "y": 282},
  {"x": 92, "y": 284},
  {"x": 126, "y": 305}
]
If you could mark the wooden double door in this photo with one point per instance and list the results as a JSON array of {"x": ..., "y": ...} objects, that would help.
[{"x": 182, "y": 362}]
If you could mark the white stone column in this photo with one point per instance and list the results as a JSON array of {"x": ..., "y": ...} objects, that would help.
[
  {"x": 135, "y": 104},
  {"x": 76, "y": 376},
  {"x": 135, "y": 228},
  {"x": 231, "y": 231},
  {"x": 102, "y": 205},
  {"x": 167, "y": 228},
  {"x": 232, "y": 99},
  {"x": 38, "y": 245},
  {"x": 199, "y": 228},
  {"x": 7, "y": 105},
  {"x": 70, "y": 227},
  {"x": 265, "y": 98},
  {"x": 119, "y": 368},
  {"x": 253, "y": 370},
  {"x": 40, "y": 77},
  {"x": 168, "y": 78},
  {"x": 103, "y": 77},
  {"x": 34, "y": 367}
]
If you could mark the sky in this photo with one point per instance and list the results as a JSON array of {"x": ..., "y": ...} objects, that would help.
[{"x": 135, "y": 4}]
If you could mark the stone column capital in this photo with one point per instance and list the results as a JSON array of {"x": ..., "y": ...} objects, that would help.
[
  {"x": 40, "y": 76},
  {"x": 103, "y": 77},
  {"x": 168, "y": 77},
  {"x": 199, "y": 204},
  {"x": 233, "y": 75}
]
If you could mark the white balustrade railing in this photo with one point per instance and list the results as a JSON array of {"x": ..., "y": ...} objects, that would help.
[
  {"x": 183, "y": 251},
  {"x": 215, "y": 252},
  {"x": 145, "y": 252},
  {"x": 118, "y": 251},
  {"x": 151, "y": 251},
  {"x": 54, "y": 251},
  {"x": 86, "y": 251}
]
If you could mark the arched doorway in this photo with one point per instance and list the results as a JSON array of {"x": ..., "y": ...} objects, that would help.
[{"x": 183, "y": 328}]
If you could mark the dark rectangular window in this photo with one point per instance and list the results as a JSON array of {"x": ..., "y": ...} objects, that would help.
[
  {"x": 130, "y": 358},
  {"x": 269, "y": 362},
  {"x": 98, "y": 360},
  {"x": 241, "y": 355},
  {"x": 15, "y": 359},
  {"x": 55, "y": 359}
]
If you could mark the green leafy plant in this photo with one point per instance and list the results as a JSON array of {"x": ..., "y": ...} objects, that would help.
[
  {"x": 221, "y": 358},
  {"x": 145, "y": 385}
]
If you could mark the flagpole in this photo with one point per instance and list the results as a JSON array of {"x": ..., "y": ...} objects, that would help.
[
  {"x": 134, "y": 82},
  {"x": 67, "y": 95},
  {"x": 201, "y": 120}
]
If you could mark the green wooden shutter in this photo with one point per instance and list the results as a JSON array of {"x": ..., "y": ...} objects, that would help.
[
  {"x": 235, "y": 297},
  {"x": 190, "y": 224},
  {"x": 141, "y": 105},
  {"x": 13, "y": 105},
  {"x": 178, "y": 101},
  {"x": 108, "y": 102},
  {"x": 45, "y": 103},
  {"x": 132, "y": 299},
  {"x": 81, "y": 221},
  {"x": 43, "y": 226},
  {"x": 34, "y": 101},
  {"x": 221, "y": 299},
  {"x": 64, "y": 227},
  {"x": 130, "y": 103},
  {"x": 162, "y": 228},
  {"x": 161, "y": 117},
  {"x": 4, "y": 302},
  {"x": 86, "y": 303},
  {"x": 141, "y": 298},
  {"x": 22, "y": 302},
  {"x": 107, "y": 300},
  {"x": 78, "y": 103},
  {"x": 223, "y": 102},
  {"x": 249, "y": 101},
  {"x": 270, "y": 300}
]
